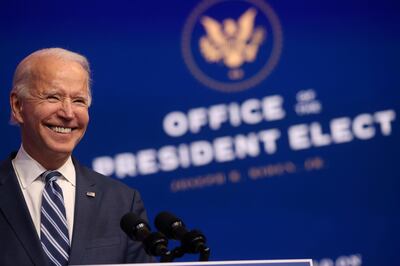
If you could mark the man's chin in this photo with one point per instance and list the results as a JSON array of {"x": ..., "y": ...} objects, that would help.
[{"x": 61, "y": 149}]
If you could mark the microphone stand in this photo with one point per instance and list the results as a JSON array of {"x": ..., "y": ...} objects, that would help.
[
  {"x": 167, "y": 257},
  {"x": 204, "y": 253},
  {"x": 178, "y": 252}
]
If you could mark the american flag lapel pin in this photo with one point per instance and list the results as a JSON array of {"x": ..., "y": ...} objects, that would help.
[{"x": 91, "y": 194}]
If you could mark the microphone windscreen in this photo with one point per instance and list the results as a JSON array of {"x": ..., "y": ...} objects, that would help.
[
  {"x": 164, "y": 223},
  {"x": 129, "y": 223}
]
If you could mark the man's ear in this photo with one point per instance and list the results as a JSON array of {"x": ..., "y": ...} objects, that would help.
[{"x": 16, "y": 108}]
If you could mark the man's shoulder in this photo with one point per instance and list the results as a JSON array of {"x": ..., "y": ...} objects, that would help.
[
  {"x": 102, "y": 180},
  {"x": 8, "y": 159},
  {"x": 5, "y": 163}
]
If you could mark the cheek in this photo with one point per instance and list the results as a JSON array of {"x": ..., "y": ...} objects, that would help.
[
  {"x": 83, "y": 118},
  {"x": 31, "y": 115}
]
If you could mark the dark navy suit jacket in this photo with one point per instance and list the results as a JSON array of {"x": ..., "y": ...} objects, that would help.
[{"x": 97, "y": 237}]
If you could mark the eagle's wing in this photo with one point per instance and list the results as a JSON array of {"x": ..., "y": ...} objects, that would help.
[
  {"x": 258, "y": 36},
  {"x": 251, "y": 50},
  {"x": 210, "y": 52},
  {"x": 246, "y": 25},
  {"x": 214, "y": 31}
]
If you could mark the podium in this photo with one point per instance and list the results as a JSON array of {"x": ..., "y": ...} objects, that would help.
[{"x": 291, "y": 262}]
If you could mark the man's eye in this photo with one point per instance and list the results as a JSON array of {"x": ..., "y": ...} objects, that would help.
[
  {"x": 53, "y": 98},
  {"x": 80, "y": 101}
]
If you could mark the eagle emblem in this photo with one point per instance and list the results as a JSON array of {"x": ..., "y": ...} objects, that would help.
[{"x": 232, "y": 42}]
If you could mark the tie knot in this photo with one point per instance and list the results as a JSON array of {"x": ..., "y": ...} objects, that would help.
[{"x": 50, "y": 176}]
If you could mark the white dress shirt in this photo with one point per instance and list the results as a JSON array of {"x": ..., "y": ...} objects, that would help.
[{"x": 28, "y": 172}]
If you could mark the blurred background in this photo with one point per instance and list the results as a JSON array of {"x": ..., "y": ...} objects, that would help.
[{"x": 272, "y": 126}]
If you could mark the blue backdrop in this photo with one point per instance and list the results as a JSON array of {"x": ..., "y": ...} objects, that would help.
[{"x": 291, "y": 153}]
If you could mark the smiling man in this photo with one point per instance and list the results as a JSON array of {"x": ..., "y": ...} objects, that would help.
[{"x": 53, "y": 211}]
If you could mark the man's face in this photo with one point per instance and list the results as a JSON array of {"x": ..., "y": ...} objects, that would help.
[{"x": 54, "y": 116}]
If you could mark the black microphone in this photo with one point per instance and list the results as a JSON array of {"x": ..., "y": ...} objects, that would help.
[
  {"x": 155, "y": 244},
  {"x": 173, "y": 228}
]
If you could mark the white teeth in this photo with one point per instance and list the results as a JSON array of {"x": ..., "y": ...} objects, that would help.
[{"x": 61, "y": 129}]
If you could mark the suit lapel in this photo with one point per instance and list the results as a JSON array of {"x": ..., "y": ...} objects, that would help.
[
  {"x": 85, "y": 212},
  {"x": 13, "y": 206}
]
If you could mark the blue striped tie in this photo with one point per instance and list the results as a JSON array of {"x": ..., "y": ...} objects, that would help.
[{"x": 53, "y": 227}]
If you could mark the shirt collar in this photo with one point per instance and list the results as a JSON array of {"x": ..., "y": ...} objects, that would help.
[{"x": 28, "y": 169}]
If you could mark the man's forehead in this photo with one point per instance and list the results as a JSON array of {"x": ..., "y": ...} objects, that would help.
[
  {"x": 58, "y": 72},
  {"x": 54, "y": 64},
  {"x": 53, "y": 75}
]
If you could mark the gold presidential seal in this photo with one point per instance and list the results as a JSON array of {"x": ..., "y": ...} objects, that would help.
[{"x": 231, "y": 45}]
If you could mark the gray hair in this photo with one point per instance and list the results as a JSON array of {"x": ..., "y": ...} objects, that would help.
[{"x": 23, "y": 72}]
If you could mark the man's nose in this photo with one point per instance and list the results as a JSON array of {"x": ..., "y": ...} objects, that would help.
[{"x": 66, "y": 110}]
